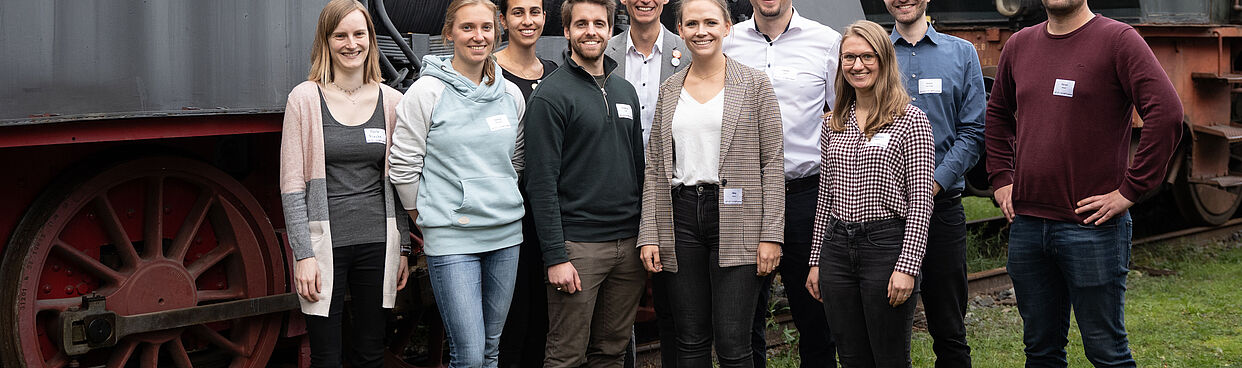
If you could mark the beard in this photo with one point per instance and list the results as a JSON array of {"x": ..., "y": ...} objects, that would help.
[
  {"x": 586, "y": 56},
  {"x": 775, "y": 12},
  {"x": 1062, "y": 7},
  {"x": 920, "y": 10}
]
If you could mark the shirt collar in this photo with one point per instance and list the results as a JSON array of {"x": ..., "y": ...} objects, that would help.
[
  {"x": 931, "y": 36},
  {"x": 795, "y": 22},
  {"x": 659, "y": 44}
]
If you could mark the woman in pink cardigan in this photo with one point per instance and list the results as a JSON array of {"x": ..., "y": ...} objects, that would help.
[{"x": 334, "y": 154}]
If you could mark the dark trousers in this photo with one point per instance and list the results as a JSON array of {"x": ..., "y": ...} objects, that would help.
[
  {"x": 714, "y": 304},
  {"x": 526, "y": 328},
  {"x": 943, "y": 286},
  {"x": 856, "y": 263},
  {"x": 360, "y": 268},
  {"x": 815, "y": 347},
  {"x": 664, "y": 319}
]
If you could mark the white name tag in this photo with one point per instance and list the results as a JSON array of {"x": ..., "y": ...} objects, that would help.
[
  {"x": 879, "y": 140},
  {"x": 783, "y": 73},
  {"x": 733, "y": 196},
  {"x": 498, "y": 122},
  {"x": 1063, "y": 88},
  {"x": 625, "y": 112},
  {"x": 375, "y": 135},
  {"x": 931, "y": 85}
]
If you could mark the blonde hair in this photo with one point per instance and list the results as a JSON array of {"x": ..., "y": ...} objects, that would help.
[
  {"x": 724, "y": 9},
  {"x": 450, "y": 17},
  {"x": 891, "y": 98},
  {"x": 321, "y": 53}
]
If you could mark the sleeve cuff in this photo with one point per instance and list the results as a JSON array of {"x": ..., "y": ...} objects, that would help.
[
  {"x": 1002, "y": 179},
  {"x": 1129, "y": 192}
]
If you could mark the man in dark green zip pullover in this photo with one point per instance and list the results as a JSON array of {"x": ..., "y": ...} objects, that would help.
[{"x": 584, "y": 154}]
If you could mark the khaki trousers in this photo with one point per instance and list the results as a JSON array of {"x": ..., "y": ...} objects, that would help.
[{"x": 592, "y": 327}]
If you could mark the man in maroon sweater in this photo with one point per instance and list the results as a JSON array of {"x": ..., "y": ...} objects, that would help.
[{"x": 1058, "y": 136}]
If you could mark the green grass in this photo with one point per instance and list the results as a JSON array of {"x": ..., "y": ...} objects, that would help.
[
  {"x": 980, "y": 208},
  {"x": 1191, "y": 319}
]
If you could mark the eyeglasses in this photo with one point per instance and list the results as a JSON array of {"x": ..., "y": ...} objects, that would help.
[{"x": 867, "y": 59}]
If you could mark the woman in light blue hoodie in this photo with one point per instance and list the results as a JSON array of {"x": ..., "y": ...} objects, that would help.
[{"x": 455, "y": 159}]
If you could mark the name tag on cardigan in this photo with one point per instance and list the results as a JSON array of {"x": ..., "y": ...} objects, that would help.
[
  {"x": 733, "y": 196},
  {"x": 498, "y": 122},
  {"x": 374, "y": 135},
  {"x": 879, "y": 140}
]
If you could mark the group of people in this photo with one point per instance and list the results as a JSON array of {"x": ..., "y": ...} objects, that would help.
[{"x": 711, "y": 159}]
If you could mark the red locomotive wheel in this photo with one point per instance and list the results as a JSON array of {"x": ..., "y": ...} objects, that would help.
[
  {"x": 1205, "y": 204},
  {"x": 149, "y": 235}
]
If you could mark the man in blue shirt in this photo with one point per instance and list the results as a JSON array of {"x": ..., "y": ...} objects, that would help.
[{"x": 942, "y": 75}]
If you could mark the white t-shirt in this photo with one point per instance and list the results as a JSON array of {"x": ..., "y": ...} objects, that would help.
[{"x": 696, "y": 140}]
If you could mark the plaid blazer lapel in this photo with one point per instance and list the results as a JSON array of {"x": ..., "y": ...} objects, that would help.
[{"x": 734, "y": 92}]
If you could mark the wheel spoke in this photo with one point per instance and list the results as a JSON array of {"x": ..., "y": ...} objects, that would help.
[
  {"x": 153, "y": 218},
  {"x": 215, "y": 338},
  {"x": 121, "y": 354},
  {"x": 193, "y": 221},
  {"x": 116, "y": 231},
  {"x": 87, "y": 263},
  {"x": 218, "y": 295},
  {"x": 180, "y": 357},
  {"x": 210, "y": 259},
  {"x": 59, "y": 305},
  {"x": 150, "y": 356}
]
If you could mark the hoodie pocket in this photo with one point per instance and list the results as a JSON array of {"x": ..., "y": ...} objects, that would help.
[{"x": 489, "y": 202}]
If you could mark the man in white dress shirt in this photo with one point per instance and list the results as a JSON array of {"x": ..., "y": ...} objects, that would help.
[
  {"x": 647, "y": 53},
  {"x": 800, "y": 57}
]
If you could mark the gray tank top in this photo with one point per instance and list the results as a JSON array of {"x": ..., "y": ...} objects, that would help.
[{"x": 354, "y": 164}]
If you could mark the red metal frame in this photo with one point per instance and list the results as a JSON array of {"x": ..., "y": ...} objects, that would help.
[{"x": 137, "y": 129}]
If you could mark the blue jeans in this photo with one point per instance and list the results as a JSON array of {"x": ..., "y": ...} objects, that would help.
[
  {"x": 1056, "y": 266},
  {"x": 473, "y": 292}
]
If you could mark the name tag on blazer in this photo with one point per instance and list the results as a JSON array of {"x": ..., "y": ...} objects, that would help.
[{"x": 733, "y": 196}]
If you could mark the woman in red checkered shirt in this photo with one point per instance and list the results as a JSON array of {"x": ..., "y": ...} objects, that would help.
[{"x": 875, "y": 203}]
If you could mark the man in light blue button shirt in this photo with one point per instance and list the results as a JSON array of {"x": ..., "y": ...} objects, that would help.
[{"x": 942, "y": 75}]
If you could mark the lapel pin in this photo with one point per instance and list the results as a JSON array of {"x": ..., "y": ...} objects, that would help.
[{"x": 676, "y": 58}]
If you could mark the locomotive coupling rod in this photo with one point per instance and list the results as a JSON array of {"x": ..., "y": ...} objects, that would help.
[{"x": 84, "y": 329}]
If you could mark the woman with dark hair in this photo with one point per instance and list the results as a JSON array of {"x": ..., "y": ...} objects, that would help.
[
  {"x": 714, "y": 196},
  {"x": 522, "y": 343},
  {"x": 875, "y": 203},
  {"x": 455, "y": 161},
  {"x": 334, "y": 148}
]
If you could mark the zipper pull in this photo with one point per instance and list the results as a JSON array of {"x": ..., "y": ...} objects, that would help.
[{"x": 604, "y": 92}]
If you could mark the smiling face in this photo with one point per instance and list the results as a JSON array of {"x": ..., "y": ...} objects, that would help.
[
  {"x": 859, "y": 74},
  {"x": 473, "y": 33},
  {"x": 588, "y": 31},
  {"x": 349, "y": 41},
  {"x": 772, "y": 8},
  {"x": 1063, "y": 7},
  {"x": 644, "y": 11},
  {"x": 524, "y": 21},
  {"x": 703, "y": 25},
  {"x": 907, "y": 11}
]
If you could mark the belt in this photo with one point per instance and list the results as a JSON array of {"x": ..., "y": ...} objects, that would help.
[
  {"x": 802, "y": 184},
  {"x": 862, "y": 227}
]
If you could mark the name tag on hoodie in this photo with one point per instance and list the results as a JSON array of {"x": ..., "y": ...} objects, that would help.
[
  {"x": 625, "y": 112},
  {"x": 498, "y": 122}
]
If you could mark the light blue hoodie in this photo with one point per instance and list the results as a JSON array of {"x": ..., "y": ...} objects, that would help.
[{"x": 455, "y": 157}]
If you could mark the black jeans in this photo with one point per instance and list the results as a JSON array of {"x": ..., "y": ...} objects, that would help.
[
  {"x": 360, "y": 269},
  {"x": 815, "y": 347},
  {"x": 944, "y": 283},
  {"x": 712, "y": 303},
  {"x": 856, "y": 262},
  {"x": 526, "y": 328}
]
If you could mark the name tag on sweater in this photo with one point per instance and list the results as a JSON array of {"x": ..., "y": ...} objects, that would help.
[
  {"x": 733, "y": 196},
  {"x": 625, "y": 111},
  {"x": 879, "y": 140},
  {"x": 1063, "y": 88},
  {"x": 498, "y": 122},
  {"x": 931, "y": 85},
  {"x": 374, "y": 135}
]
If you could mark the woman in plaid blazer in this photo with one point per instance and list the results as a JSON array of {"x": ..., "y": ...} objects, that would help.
[{"x": 713, "y": 198}]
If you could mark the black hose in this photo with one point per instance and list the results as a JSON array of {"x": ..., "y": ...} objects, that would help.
[{"x": 382, "y": 14}]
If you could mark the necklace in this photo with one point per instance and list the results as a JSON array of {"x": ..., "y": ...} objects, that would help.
[
  {"x": 709, "y": 75},
  {"x": 349, "y": 93}
]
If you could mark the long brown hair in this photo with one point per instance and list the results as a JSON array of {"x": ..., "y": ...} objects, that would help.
[
  {"x": 890, "y": 97},
  {"x": 321, "y": 53},
  {"x": 450, "y": 17}
]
